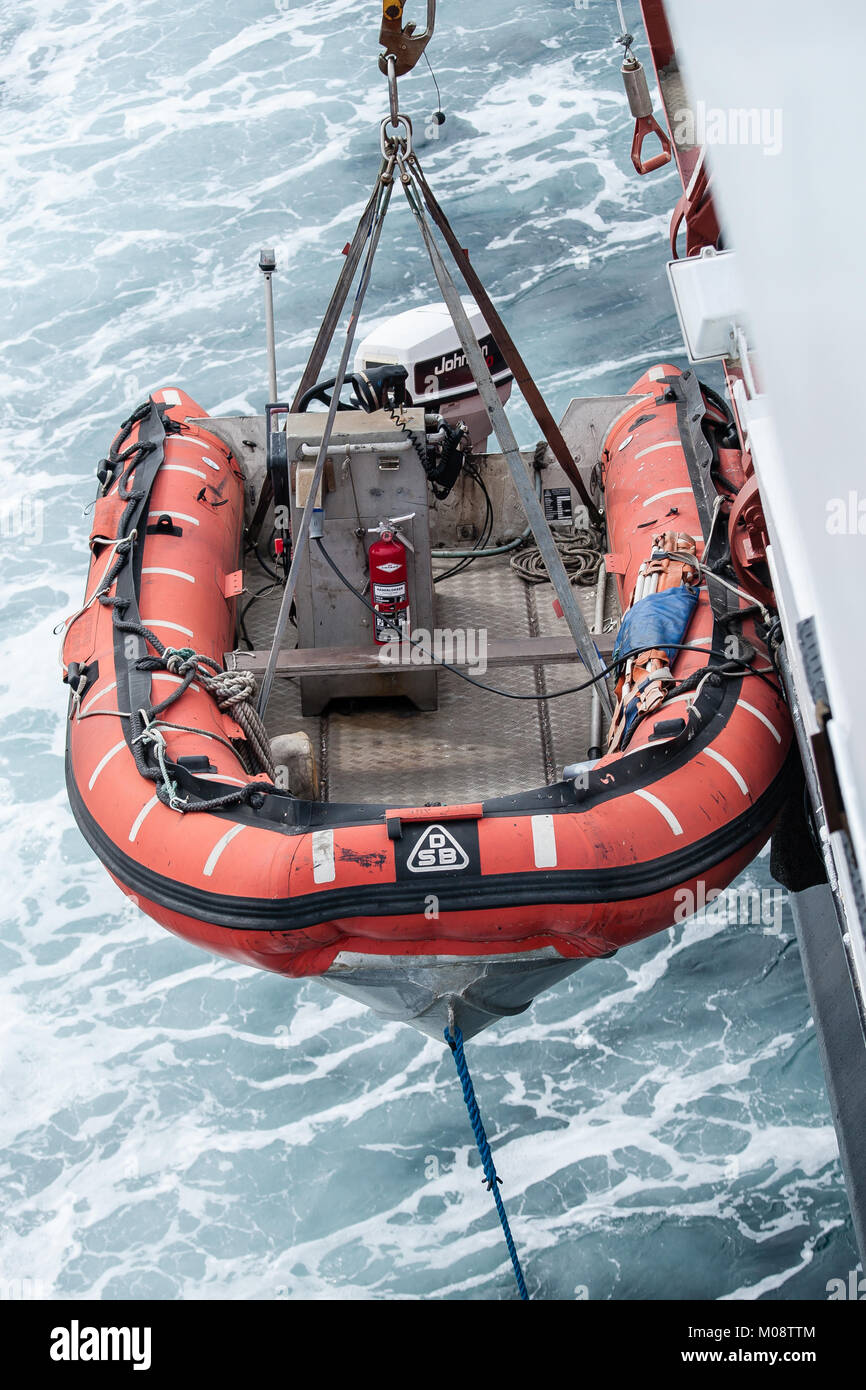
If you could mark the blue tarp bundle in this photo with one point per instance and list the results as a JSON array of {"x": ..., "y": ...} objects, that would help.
[{"x": 659, "y": 620}]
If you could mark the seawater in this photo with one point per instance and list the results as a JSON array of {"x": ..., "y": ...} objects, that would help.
[{"x": 174, "y": 1125}]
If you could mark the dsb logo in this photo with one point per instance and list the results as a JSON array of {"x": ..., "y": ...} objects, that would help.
[{"x": 435, "y": 851}]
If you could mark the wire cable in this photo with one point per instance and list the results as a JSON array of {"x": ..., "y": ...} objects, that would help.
[
  {"x": 555, "y": 694},
  {"x": 435, "y": 83},
  {"x": 486, "y": 530}
]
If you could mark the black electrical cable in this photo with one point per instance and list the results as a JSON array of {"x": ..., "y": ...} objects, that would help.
[
  {"x": 252, "y": 548},
  {"x": 486, "y": 532},
  {"x": 718, "y": 401},
  {"x": 487, "y": 528},
  {"x": 266, "y": 564},
  {"x": 438, "y": 112},
  {"x": 265, "y": 567},
  {"x": 554, "y": 695}
]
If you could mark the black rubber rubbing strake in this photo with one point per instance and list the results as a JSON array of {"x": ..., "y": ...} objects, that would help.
[{"x": 456, "y": 893}]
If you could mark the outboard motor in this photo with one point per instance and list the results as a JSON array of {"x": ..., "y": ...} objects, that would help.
[{"x": 425, "y": 342}]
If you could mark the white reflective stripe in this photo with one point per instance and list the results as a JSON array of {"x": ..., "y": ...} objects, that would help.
[
  {"x": 219, "y": 847},
  {"x": 210, "y": 463},
  {"x": 665, "y": 810},
  {"x": 170, "y": 397},
  {"x": 177, "y": 516},
  {"x": 665, "y": 444},
  {"x": 220, "y": 777},
  {"x": 182, "y": 468},
  {"x": 178, "y": 574},
  {"x": 763, "y": 718},
  {"x": 627, "y": 440},
  {"x": 671, "y": 492},
  {"x": 145, "y": 811},
  {"x": 93, "y": 699},
  {"x": 101, "y": 764},
  {"x": 324, "y": 869},
  {"x": 163, "y": 622},
  {"x": 175, "y": 680},
  {"x": 185, "y": 439},
  {"x": 544, "y": 842},
  {"x": 729, "y": 767}
]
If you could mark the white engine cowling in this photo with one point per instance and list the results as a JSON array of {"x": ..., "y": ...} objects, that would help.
[{"x": 425, "y": 342}]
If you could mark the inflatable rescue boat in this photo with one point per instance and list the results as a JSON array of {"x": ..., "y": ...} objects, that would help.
[{"x": 428, "y": 910}]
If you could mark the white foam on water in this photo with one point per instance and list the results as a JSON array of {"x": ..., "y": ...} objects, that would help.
[{"x": 180, "y": 1126}]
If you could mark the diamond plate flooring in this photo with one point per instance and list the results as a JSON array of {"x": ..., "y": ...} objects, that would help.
[{"x": 477, "y": 744}]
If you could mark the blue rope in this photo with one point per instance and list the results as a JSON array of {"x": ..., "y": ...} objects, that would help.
[{"x": 493, "y": 1182}]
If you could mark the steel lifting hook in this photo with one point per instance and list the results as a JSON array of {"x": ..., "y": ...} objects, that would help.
[
  {"x": 645, "y": 123},
  {"x": 404, "y": 45}
]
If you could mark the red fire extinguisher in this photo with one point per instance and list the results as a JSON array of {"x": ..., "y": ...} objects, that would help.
[{"x": 389, "y": 581}]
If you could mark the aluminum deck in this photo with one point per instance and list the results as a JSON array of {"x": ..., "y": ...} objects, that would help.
[{"x": 476, "y": 744}]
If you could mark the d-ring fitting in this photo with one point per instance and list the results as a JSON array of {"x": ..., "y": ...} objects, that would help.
[{"x": 388, "y": 142}]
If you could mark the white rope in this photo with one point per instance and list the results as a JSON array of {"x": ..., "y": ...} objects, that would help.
[
  {"x": 708, "y": 574},
  {"x": 93, "y": 713},
  {"x": 716, "y": 508},
  {"x": 101, "y": 588},
  {"x": 153, "y": 735},
  {"x": 234, "y": 692}
]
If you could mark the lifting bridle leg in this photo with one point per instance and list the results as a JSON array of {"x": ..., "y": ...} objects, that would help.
[
  {"x": 299, "y": 541},
  {"x": 487, "y": 390}
]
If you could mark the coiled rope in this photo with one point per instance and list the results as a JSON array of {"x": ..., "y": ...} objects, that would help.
[
  {"x": 455, "y": 1042},
  {"x": 233, "y": 691},
  {"x": 581, "y": 553}
]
